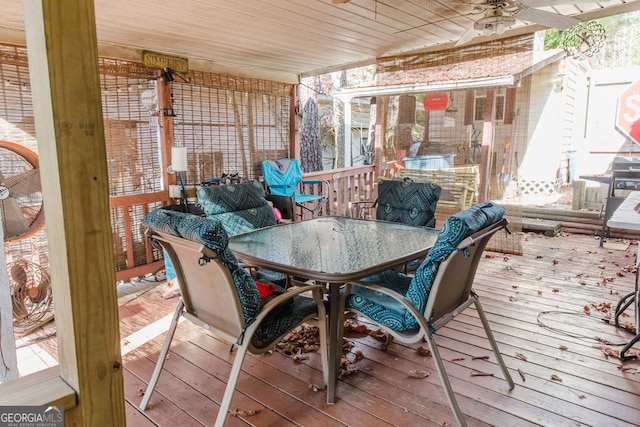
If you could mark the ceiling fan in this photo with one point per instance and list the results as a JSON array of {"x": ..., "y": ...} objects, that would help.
[{"x": 502, "y": 14}]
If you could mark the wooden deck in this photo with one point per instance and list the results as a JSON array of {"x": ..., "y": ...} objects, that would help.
[{"x": 545, "y": 308}]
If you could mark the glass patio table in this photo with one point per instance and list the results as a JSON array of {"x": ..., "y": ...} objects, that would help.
[{"x": 333, "y": 251}]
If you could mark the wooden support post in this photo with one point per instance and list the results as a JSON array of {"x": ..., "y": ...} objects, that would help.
[
  {"x": 487, "y": 147},
  {"x": 63, "y": 64}
]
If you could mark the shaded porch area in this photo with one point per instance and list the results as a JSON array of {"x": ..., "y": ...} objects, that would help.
[{"x": 546, "y": 309}]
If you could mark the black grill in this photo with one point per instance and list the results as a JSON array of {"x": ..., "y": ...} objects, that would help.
[{"x": 625, "y": 175}]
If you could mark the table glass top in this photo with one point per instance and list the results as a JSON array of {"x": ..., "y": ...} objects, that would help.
[{"x": 333, "y": 248}]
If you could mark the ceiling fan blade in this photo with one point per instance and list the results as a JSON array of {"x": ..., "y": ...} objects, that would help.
[
  {"x": 13, "y": 220},
  {"x": 545, "y": 3},
  {"x": 548, "y": 19},
  {"x": 467, "y": 36}
]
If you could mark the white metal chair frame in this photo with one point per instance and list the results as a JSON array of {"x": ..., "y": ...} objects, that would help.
[
  {"x": 210, "y": 300},
  {"x": 450, "y": 295}
]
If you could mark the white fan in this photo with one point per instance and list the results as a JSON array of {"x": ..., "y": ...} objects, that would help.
[{"x": 502, "y": 14}]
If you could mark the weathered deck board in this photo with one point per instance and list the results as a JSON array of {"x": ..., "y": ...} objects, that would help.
[{"x": 559, "y": 275}]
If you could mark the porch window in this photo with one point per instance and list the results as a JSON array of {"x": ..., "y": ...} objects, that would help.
[{"x": 479, "y": 105}]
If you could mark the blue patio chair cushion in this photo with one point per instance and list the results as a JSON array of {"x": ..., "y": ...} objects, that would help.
[
  {"x": 212, "y": 234},
  {"x": 384, "y": 309},
  {"x": 283, "y": 178},
  {"x": 409, "y": 202},
  {"x": 239, "y": 207}
]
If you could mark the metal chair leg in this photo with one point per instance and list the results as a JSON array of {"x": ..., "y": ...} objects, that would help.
[
  {"x": 492, "y": 341},
  {"x": 162, "y": 356}
]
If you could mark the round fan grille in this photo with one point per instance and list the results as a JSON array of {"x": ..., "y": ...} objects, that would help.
[
  {"x": 20, "y": 191},
  {"x": 30, "y": 292}
]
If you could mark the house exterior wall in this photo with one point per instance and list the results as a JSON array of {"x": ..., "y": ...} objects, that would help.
[{"x": 600, "y": 142}]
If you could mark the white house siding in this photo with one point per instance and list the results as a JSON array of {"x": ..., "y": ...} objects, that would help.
[
  {"x": 600, "y": 142},
  {"x": 542, "y": 159}
]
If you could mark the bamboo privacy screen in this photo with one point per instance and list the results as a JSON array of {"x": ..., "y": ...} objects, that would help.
[{"x": 230, "y": 124}]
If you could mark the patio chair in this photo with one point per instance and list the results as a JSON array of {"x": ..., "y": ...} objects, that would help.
[
  {"x": 406, "y": 201},
  {"x": 284, "y": 185},
  {"x": 221, "y": 296},
  {"x": 240, "y": 208},
  {"x": 411, "y": 309}
]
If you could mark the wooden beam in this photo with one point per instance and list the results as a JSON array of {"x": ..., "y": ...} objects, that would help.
[
  {"x": 487, "y": 146},
  {"x": 63, "y": 64}
]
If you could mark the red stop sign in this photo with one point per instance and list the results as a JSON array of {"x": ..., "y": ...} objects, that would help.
[{"x": 628, "y": 117}]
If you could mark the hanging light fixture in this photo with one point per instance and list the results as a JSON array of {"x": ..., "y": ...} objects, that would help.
[{"x": 494, "y": 22}]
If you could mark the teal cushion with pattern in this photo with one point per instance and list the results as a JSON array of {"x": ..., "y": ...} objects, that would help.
[
  {"x": 239, "y": 207},
  {"x": 212, "y": 234},
  {"x": 387, "y": 311},
  {"x": 409, "y": 202}
]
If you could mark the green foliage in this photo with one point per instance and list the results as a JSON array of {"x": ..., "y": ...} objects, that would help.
[{"x": 552, "y": 39}]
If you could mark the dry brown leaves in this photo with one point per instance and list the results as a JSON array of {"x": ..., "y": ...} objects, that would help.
[
  {"x": 422, "y": 351},
  {"x": 521, "y": 357},
  {"x": 475, "y": 373},
  {"x": 480, "y": 358},
  {"x": 303, "y": 339},
  {"x": 554, "y": 377},
  {"x": 522, "y": 375},
  {"x": 418, "y": 374},
  {"x": 243, "y": 412},
  {"x": 627, "y": 369}
]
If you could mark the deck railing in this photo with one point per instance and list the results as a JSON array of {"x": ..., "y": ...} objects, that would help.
[
  {"x": 346, "y": 185},
  {"x": 134, "y": 256}
]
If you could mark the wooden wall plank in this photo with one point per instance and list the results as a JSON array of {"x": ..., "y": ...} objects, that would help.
[{"x": 63, "y": 58}]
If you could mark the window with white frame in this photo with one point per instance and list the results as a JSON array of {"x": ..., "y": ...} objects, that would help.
[{"x": 480, "y": 102}]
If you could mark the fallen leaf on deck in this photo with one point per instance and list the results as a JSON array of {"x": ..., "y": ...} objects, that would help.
[
  {"x": 539, "y": 256},
  {"x": 555, "y": 290},
  {"x": 554, "y": 377},
  {"x": 458, "y": 359},
  {"x": 539, "y": 278},
  {"x": 314, "y": 387},
  {"x": 423, "y": 351},
  {"x": 481, "y": 374},
  {"x": 418, "y": 374},
  {"x": 244, "y": 412},
  {"x": 480, "y": 358},
  {"x": 563, "y": 347},
  {"x": 378, "y": 334},
  {"x": 521, "y": 356},
  {"x": 628, "y": 369},
  {"x": 586, "y": 309},
  {"x": 522, "y": 375},
  {"x": 490, "y": 256},
  {"x": 514, "y": 286},
  {"x": 555, "y": 261},
  {"x": 539, "y": 292},
  {"x": 298, "y": 357}
]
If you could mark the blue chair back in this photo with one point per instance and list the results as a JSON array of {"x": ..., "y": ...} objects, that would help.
[{"x": 282, "y": 176}]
